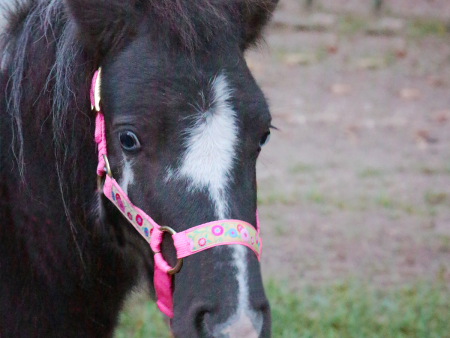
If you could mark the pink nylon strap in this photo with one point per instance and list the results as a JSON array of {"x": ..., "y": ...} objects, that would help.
[
  {"x": 192, "y": 240},
  {"x": 149, "y": 230},
  {"x": 100, "y": 137},
  {"x": 162, "y": 280},
  {"x": 188, "y": 242}
]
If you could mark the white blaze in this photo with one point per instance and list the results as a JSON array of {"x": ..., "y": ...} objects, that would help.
[
  {"x": 207, "y": 165},
  {"x": 127, "y": 175},
  {"x": 210, "y": 152}
]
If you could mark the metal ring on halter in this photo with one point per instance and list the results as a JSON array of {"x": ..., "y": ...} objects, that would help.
[
  {"x": 108, "y": 171},
  {"x": 108, "y": 168},
  {"x": 179, "y": 264}
]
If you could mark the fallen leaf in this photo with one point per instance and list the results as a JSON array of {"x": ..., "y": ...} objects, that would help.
[
  {"x": 400, "y": 47},
  {"x": 332, "y": 49},
  {"x": 317, "y": 22},
  {"x": 341, "y": 89},
  {"x": 386, "y": 26},
  {"x": 423, "y": 135},
  {"x": 371, "y": 63},
  {"x": 254, "y": 66},
  {"x": 441, "y": 116},
  {"x": 294, "y": 59},
  {"x": 435, "y": 81},
  {"x": 409, "y": 94},
  {"x": 352, "y": 133},
  {"x": 400, "y": 53}
]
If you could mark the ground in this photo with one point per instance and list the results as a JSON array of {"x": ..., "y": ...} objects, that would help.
[{"x": 355, "y": 183}]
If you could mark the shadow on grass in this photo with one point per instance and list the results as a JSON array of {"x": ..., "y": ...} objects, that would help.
[{"x": 348, "y": 309}]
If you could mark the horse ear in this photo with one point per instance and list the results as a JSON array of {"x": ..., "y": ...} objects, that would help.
[
  {"x": 255, "y": 14},
  {"x": 104, "y": 25}
]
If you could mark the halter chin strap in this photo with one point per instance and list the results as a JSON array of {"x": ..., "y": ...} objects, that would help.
[{"x": 188, "y": 242}]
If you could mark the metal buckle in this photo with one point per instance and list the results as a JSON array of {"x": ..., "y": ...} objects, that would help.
[
  {"x": 108, "y": 172},
  {"x": 108, "y": 168},
  {"x": 179, "y": 264}
]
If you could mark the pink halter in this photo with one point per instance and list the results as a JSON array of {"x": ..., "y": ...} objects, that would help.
[{"x": 188, "y": 242}]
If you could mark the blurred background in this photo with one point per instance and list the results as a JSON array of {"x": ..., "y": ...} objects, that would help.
[
  {"x": 354, "y": 186},
  {"x": 356, "y": 182}
]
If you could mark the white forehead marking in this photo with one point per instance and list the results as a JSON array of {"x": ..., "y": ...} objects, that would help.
[
  {"x": 127, "y": 175},
  {"x": 210, "y": 148},
  {"x": 207, "y": 164}
]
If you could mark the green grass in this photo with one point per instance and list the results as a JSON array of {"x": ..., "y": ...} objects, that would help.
[
  {"x": 300, "y": 168},
  {"x": 435, "y": 198},
  {"x": 348, "y": 310},
  {"x": 352, "y": 310},
  {"x": 427, "y": 26},
  {"x": 275, "y": 197},
  {"x": 141, "y": 318},
  {"x": 370, "y": 172},
  {"x": 415, "y": 28},
  {"x": 314, "y": 195},
  {"x": 447, "y": 167},
  {"x": 384, "y": 200},
  {"x": 350, "y": 24}
]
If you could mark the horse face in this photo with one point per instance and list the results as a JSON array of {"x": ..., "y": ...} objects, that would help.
[{"x": 184, "y": 127}]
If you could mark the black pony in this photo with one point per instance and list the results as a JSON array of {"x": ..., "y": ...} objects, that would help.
[{"x": 185, "y": 122}]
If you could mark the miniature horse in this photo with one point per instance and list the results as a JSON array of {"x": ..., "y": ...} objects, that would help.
[{"x": 184, "y": 122}]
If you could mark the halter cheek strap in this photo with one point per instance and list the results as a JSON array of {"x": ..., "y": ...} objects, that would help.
[{"x": 188, "y": 242}]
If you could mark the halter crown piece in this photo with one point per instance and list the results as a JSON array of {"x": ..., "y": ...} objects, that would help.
[{"x": 188, "y": 242}]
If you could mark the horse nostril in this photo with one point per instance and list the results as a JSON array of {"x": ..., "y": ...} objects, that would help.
[
  {"x": 199, "y": 321},
  {"x": 264, "y": 308}
]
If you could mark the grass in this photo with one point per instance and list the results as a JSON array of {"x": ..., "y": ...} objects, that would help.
[
  {"x": 314, "y": 195},
  {"x": 300, "y": 168},
  {"x": 444, "y": 243},
  {"x": 276, "y": 197},
  {"x": 350, "y": 24},
  {"x": 421, "y": 27},
  {"x": 385, "y": 201},
  {"x": 435, "y": 198},
  {"x": 141, "y": 318},
  {"x": 447, "y": 168},
  {"x": 349, "y": 310},
  {"x": 369, "y": 172},
  {"x": 355, "y": 310}
]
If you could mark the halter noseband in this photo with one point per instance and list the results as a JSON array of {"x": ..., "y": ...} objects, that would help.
[{"x": 188, "y": 242}]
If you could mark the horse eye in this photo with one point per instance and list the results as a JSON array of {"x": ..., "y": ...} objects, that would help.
[
  {"x": 265, "y": 139},
  {"x": 129, "y": 141}
]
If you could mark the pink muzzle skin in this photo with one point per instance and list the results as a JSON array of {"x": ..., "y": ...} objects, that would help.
[{"x": 188, "y": 242}]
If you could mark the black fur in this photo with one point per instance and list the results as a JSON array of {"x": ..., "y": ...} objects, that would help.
[{"x": 67, "y": 257}]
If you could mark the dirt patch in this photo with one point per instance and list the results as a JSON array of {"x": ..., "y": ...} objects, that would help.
[{"x": 356, "y": 182}]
